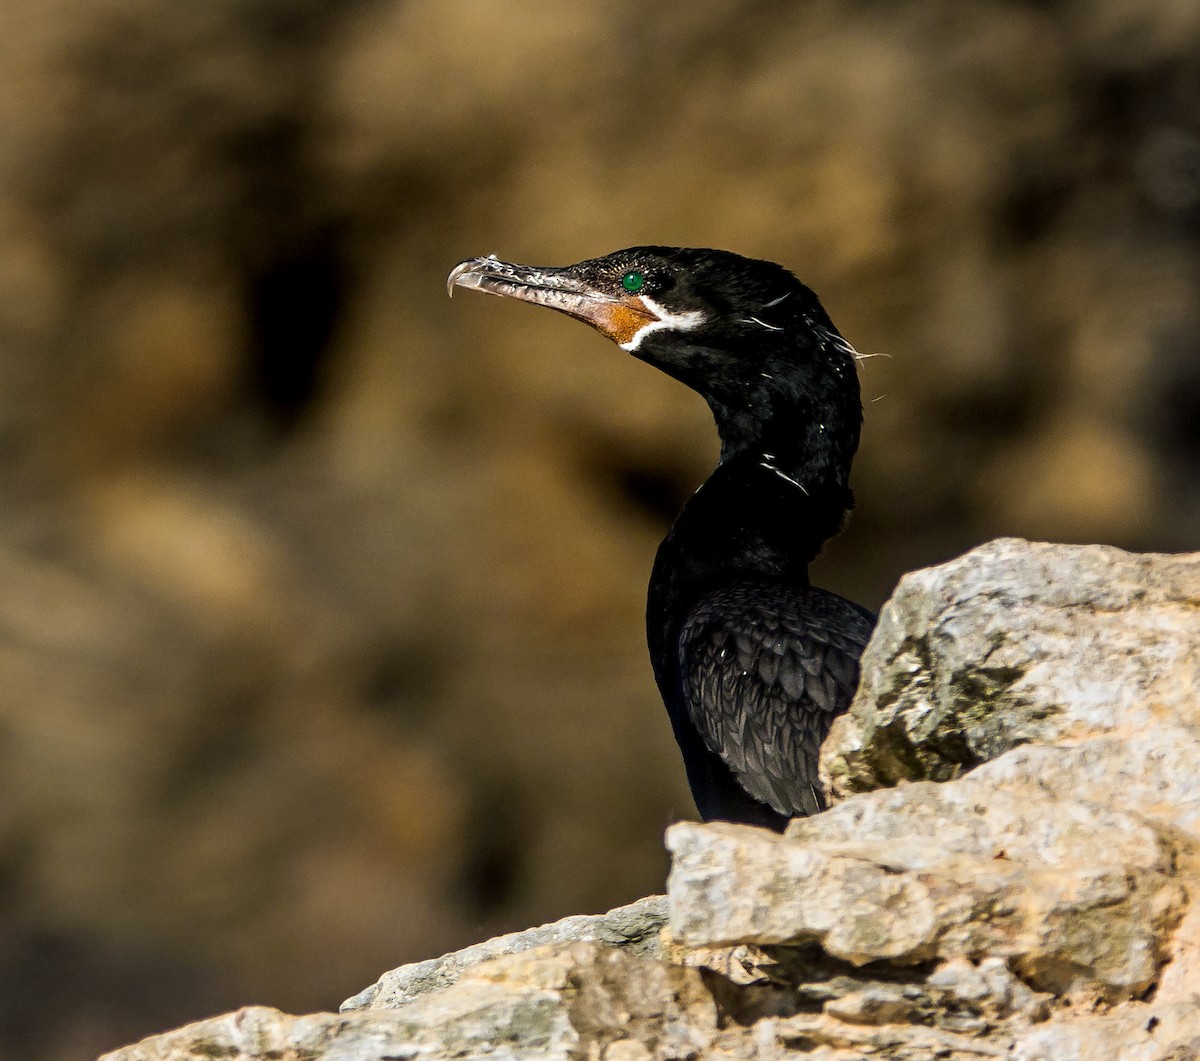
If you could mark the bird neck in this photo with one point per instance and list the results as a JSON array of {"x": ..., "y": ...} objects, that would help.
[
  {"x": 812, "y": 449},
  {"x": 789, "y": 431},
  {"x": 763, "y": 512},
  {"x": 801, "y": 416},
  {"x": 750, "y": 520}
]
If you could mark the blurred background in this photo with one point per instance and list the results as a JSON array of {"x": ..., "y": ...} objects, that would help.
[{"x": 321, "y": 639}]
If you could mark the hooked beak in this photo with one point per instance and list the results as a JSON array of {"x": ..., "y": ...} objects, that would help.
[{"x": 619, "y": 317}]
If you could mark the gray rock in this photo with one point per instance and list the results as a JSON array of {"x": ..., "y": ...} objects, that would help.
[
  {"x": 634, "y": 928},
  {"x": 996, "y": 812},
  {"x": 825, "y": 1037},
  {"x": 1133, "y": 1033},
  {"x": 1151, "y": 772},
  {"x": 988, "y": 989},
  {"x": 555, "y": 1003},
  {"x": 1100, "y": 925},
  {"x": 1018, "y": 643}
]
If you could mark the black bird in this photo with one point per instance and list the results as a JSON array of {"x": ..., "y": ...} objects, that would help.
[{"x": 752, "y": 661}]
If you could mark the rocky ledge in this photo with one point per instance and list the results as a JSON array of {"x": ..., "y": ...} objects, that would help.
[{"x": 1010, "y": 869}]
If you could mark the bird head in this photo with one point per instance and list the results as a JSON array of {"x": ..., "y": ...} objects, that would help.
[{"x": 744, "y": 333}]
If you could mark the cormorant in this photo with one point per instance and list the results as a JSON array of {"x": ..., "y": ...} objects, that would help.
[{"x": 752, "y": 661}]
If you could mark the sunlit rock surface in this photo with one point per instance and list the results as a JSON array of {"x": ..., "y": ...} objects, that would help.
[{"x": 1039, "y": 906}]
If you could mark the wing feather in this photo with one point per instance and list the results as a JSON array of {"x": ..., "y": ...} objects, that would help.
[{"x": 766, "y": 669}]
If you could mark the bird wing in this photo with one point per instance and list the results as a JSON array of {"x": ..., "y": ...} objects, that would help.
[{"x": 766, "y": 668}]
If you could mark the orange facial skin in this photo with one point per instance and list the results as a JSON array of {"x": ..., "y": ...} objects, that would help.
[{"x": 619, "y": 321}]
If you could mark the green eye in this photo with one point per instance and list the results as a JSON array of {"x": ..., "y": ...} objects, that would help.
[{"x": 632, "y": 282}]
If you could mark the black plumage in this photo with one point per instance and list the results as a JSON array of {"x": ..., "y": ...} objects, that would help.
[
  {"x": 764, "y": 670},
  {"x": 753, "y": 662}
]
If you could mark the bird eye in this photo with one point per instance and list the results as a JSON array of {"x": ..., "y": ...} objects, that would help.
[{"x": 632, "y": 282}]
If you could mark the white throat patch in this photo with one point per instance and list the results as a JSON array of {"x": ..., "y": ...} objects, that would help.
[{"x": 680, "y": 322}]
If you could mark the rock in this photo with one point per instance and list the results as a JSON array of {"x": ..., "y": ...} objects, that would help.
[
  {"x": 557, "y": 1001},
  {"x": 997, "y": 812},
  {"x": 259, "y": 1032},
  {"x": 1019, "y": 643},
  {"x": 1034, "y": 903},
  {"x": 1151, "y": 772},
  {"x": 634, "y": 928},
  {"x": 1138, "y": 1033},
  {"x": 1053, "y": 662},
  {"x": 824, "y": 1036},
  {"x": 988, "y": 988},
  {"x": 1099, "y": 926}
]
